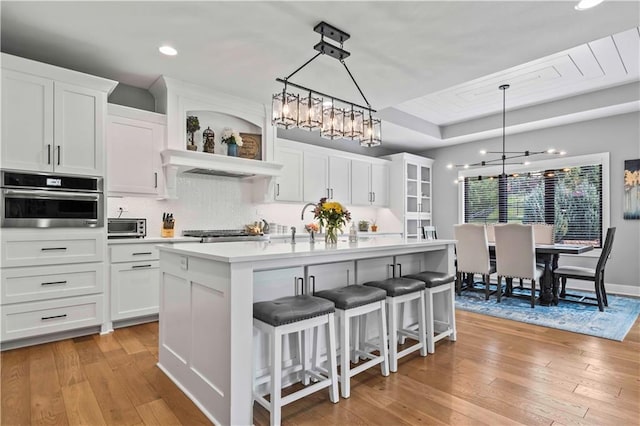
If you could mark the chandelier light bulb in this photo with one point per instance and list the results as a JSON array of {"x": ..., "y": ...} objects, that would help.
[
  {"x": 168, "y": 50},
  {"x": 551, "y": 151},
  {"x": 483, "y": 152},
  {"x": 563, "y": 152},
  {"x": 586, "y": 4}
]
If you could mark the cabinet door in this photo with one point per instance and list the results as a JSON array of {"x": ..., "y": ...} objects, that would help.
[
  {"x": 27, "y": 122},
  {"x": 380, "y": 185},
  {"x": 425, "y": 190},
  {"x": 78, "y": 130},
  {"x": 331, "y": 275},
  {"x": 289, "y": 183},
  {"x": 135, "y": 289},
  {"x": 361, "y": 194},
  {"x": 340, "y": 179},
  {"x": 133, "y": 156},
  {"x": 316, "y": 178}
]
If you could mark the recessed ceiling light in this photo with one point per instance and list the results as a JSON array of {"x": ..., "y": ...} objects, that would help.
[
  {"x": 587, "y": 4},
  {"x": 168, "y": 50}
]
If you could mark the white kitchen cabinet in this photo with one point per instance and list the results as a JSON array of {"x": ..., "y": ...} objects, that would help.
[
  {"x": 135, "y": 280},
  {"x": 410, "y": 191},
  {"x": 326, "y": 176},
  {"x": 333, "y": 275},
  {"x": 52, "y": 118},
  {"x": 135, "y": 139},
  {"x": 369, "y": 184},
  {"x": 374, "y": 269},
  {"x": 27, "y": 122},
  {"x": 52, "y": 282},
  {"x": 340, "y": 179},
  {"x": 288, "y": 186}
]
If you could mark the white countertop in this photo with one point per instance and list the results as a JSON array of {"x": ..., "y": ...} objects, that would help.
[
  {"x": 248, "y": 251},
  {"x": 152, "y": 240}
]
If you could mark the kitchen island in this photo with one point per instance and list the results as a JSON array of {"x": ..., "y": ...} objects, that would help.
[{"x": 206, "y": 341}]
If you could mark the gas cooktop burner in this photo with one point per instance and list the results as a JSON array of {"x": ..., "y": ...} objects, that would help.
[{"x": 223, "y": 235}]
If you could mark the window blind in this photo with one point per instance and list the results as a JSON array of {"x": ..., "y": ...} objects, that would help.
[{"x": 570, "y": 198}]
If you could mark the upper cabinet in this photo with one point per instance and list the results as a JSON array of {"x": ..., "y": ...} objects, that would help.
[
  {"x": 311, "y": 173},
  {"x": 134, "y": 141},
  {"x": 52, "y": 118},
  {"x": 369, "y": 183},
  {"x": 411, "y": 191}
]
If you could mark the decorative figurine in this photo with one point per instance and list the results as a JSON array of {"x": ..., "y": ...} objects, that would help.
[
  {"x": 193, "y": 125},
  {"x": 207, "y": 140}
]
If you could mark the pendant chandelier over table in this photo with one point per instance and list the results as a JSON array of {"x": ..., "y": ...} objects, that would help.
[{"x": 313, "y": 110}]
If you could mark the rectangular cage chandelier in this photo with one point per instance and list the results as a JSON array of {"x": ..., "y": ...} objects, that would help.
[{"x": 313, "y": 110}]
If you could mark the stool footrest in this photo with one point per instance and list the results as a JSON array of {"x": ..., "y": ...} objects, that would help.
[
  {"x": 364, "y": 366},
  {"x": 306, "y": 391},
  {"x": 410, "y": 349}
]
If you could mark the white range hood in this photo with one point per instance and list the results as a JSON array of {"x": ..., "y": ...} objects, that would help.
[{"x": 181, "y": 161}]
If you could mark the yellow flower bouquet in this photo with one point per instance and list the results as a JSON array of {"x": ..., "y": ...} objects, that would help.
[{"x": 333, "y": 216}]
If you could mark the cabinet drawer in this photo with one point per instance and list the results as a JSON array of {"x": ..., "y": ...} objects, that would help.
[
  {"x": 44, "y": 248},
  {"x": 37, "y": 318},
  {"x": 49, "y": 282},
  {"x": 134, "y": 253}
]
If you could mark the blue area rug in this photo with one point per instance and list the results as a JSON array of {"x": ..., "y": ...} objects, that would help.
[{"x": 614, "y": 323}]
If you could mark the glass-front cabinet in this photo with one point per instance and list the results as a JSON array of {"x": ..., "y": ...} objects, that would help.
[{"x": 411, "y": 192}]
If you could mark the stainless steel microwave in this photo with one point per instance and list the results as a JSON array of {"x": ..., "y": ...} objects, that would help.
[
  {"x": 126, "y": 228},
  {"x": 47, "y": 200}
]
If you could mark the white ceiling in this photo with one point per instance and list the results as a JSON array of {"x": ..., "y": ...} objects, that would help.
[{"x": 427, "y": 66}]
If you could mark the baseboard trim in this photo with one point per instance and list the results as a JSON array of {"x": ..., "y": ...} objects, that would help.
[{"x": 47, "y": 338}]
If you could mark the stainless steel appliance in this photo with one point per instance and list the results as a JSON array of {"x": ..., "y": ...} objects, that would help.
[
  {"x": 43, "y": 200},
  {"x": 126, "y": 228},
  {"x": 223, "y": 235}
]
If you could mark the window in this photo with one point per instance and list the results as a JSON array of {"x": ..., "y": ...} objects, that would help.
[{"x": 569, "y": 196}]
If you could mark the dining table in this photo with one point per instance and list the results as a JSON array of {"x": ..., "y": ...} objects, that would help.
[{"x": 549, "y": 254}]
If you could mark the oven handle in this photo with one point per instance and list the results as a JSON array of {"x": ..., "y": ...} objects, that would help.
[{"x": 51, "y": 195}]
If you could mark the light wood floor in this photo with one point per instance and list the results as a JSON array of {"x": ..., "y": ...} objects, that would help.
[{"x": 498, "y": 372}]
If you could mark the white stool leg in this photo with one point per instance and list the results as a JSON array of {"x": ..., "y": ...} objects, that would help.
[
  {"x": 422, "y": 333},
  {"x": 384, "y": 350},
  {"x": 276, "y": 376},
  {"x": 452, "y": 312},
  {"x": 345, "y": 350},
  {"x": 402, "y": 338},
  {"x": 431, "y": 346},
  {"x": 304, "y": 356},
  {"x": 393, "y": 335},
  {"x": 315, "y": 350},
  {"x": 356, "y": 336},
  {"x": 331, "y": 356}
]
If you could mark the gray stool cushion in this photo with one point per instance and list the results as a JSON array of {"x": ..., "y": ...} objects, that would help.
[
  {"x": 398, "y": 286},
  {"x": 287, "y": 310},
  {"x": 576, "y": 271},
  {"x": 353, "y": 296},
  {"x": 432, "y": 279}
]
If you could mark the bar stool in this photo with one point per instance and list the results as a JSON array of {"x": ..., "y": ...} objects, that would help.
[
  {"x": 280, "y": 317},
  {"x": 438, "y": 282},
  {"x": 353, "y": 301},
  {"x": 400, "y": 291}
]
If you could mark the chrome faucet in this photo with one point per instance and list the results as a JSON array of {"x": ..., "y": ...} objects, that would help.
[
  {"x": 312, "y": 238},
  {"x": 293, "y": 235}
]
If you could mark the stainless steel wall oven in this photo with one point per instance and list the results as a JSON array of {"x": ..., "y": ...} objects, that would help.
[{"x": 42, "y": 200}]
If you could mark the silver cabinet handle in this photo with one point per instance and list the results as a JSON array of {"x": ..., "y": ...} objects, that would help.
[
  {"x": 53, "y": 317},
  {"x": 374, "y": 197},
  {"x": 155, "y": 177},
  {"x": 53, "y": 248},
  {"x": 399, "y": 269},
  {"x": 54, "y": 283},
  {"x": 332, "y": 193},
  {"x": 393, "y": 270},
  {"x": 296, "y": 281},
  {"x": 277, "y": 189},
  {"x": 328, "y": 196},
  {"x": 141, "y": 253},
  {"x": 49, "y": 153},
  {"x": 140, "y": 266},
  {"x": 58, "y": 154}
]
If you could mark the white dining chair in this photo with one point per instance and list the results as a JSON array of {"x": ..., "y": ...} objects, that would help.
[
  {"x": 472, "y": 253},
  {"x": 543, "y": 233},
  {"x": 516, "y": 257}
]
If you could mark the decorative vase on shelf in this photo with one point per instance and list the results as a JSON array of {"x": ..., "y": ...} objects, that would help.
[
  {"x": 331, "y": 235},
  {"x": 232, "y": 150}
]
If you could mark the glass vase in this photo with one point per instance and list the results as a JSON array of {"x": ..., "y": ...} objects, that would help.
[
  {"x": 232, "y": 150},
  {"x": 331, "y": 235}
]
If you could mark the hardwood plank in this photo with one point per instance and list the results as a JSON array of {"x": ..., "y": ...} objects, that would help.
[
  {"x": 15, "y": 388},
  {"x": 112, "y": 397},
  {"x": 67, "y": 363},
  {"x": 88, "y": 350},
  {"x": 131, "y": 376},
  {"x": 81, "y": 405},
  {"x": 157, "y": 413},
  {"x": 129, "y": 341},
  {"x": 107, "y": 342},
  {"x": 47, "y": 405}
]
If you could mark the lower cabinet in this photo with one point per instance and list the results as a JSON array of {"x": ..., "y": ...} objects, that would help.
[{"x": 135, "y": 281}]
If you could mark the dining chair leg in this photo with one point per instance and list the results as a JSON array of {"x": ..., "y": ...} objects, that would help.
[
  {"x": 508, "y": 288},
  {"x": 603, "y": 291},
  {"x": 521, "y": 284},
  {"x": 599, "y": 295},
  {"x": 499, "y": 289},
  {"x": 563, "y": 292},
  {"x": 459, "y": 283},
  {"x": 533, "y": 293}
]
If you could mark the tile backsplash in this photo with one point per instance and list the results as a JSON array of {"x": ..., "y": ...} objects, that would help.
[{"x": 206, "y": 202}]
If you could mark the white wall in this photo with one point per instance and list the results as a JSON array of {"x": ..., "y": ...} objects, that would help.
[
  {"x": 618, "y": 135},
  {"x": 213, "y": 202}
]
